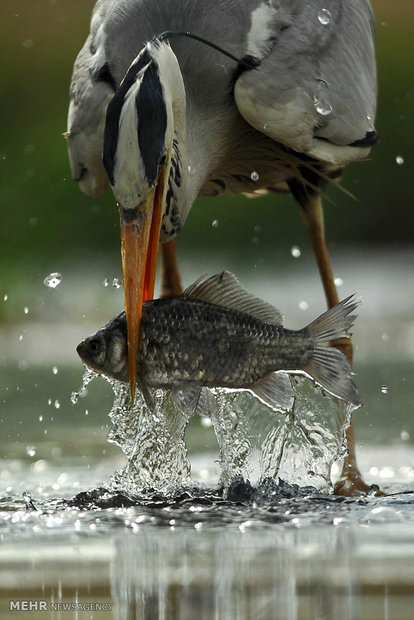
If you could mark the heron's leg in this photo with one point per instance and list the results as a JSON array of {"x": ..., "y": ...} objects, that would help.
[
  {"x": 171, "y": 280},
  {"x": 350, "y": 482}
]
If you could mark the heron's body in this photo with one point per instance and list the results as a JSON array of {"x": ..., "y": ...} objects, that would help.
[
  {"x": 175, "y": 118},
  {"x": 299, "y": 59}
]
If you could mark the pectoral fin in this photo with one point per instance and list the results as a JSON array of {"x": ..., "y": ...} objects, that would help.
[{"x": 275, "y": 391}]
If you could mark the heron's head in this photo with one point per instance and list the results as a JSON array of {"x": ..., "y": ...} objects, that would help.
[{"x": 144, "y": 125}]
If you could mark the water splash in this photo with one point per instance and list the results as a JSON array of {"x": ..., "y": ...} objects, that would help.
[
  {"x": 153, "y": 442},
  {"x": 231, "y": 427},
  {"x": 303, "y": 448},
  {"x": 88, "y": 376},
  {"x": 254, "y": 443}
]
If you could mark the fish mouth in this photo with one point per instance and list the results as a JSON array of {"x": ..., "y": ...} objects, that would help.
[
  {"x": 83, "y": 351},
  {"x": 140, "y": 235}
]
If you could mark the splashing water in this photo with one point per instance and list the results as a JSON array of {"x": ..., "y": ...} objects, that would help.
[
  {"x": 303, "y": 448},
  {"x": 88, "y": 376},
  {"x": 231, "y": 428},
  {"x": 254, "y": 442},
  {"x": 153, "y": 442}
]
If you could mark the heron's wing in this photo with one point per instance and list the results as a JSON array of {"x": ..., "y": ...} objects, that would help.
[
  {"x": 314, "y": 87},
  {"x": 91, "y": 89}
]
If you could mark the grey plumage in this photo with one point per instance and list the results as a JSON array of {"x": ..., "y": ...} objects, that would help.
[{"x": 301, "y": 62}]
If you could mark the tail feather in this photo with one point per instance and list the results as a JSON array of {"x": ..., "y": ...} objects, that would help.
[{"x": 328, "y": 366}]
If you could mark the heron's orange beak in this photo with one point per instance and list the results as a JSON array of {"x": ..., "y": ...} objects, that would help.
[{"x": 140, "y": 233}]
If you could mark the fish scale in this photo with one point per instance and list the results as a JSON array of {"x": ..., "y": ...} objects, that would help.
[{"x": 218, "y": 335}]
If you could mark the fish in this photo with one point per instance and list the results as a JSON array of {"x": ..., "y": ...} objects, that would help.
[{"x": 218, "y": 335}]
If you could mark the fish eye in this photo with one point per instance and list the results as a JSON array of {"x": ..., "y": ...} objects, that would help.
[{"x": 94, "y": 346}]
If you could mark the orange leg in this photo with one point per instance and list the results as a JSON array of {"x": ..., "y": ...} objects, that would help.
[
  {"x": 350, "y": 482},
  {"x": 171, "y": 281}
]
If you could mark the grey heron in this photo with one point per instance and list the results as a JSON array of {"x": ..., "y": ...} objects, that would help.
[{"x": 290, "y": 95}]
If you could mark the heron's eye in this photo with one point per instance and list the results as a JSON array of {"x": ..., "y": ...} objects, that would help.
[{"x": 94, "y": 346}]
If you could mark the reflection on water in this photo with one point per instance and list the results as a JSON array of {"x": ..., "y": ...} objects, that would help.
[
  {"x": 272, "y": 553},
  {"x": 286, "y": 575}
]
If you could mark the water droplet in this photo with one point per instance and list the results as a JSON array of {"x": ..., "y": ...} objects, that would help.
[
  {"x": 369, "y": 118},
  {"x": 399, "y": 160},
  {"x": 30, "y": 450},
  {"x": 254, "y": 176},
  {"x": 322, "y": 106},
  {"x": 33, "y": 221},
  {"x": 23, "y": 365},
  {"x": 55, "y": 370},
  {"x": 116, "y": 283},
  {"x": 206, "y": 422},
  {"x": 214, "y": 223},
  {"x": 5, "y": 297},
  {"x": 295, "y": 251},
  {"x": 28, "y": 43},
  {"x": 56, "y": 404},
  {"x": 26, "y": 310},
  {"x": 86, "y": 412},
  {"x": 53, "y": 280},
  {"x": 40, "y": 418},
  {"x": 106, "y": 282},
  {"x": 385, "y": 337},
  {"x": 321, "y": 100},
  {"x": 385, "y": 389},
  {"x": 28, "y": 149},
  {"x": 338, "y": 282},
  {"x": 303, "y": 305},
  {"x": 405, "y": 435},
  {"x": 324, "y": 17}
]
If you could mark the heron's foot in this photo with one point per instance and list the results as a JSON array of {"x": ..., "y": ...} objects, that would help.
[{"x": 350, "y": 484}]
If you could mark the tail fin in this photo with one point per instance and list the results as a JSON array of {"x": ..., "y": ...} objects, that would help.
[
  {"x": 336, "y": 322},
  {"x": 328, "y": 366}
]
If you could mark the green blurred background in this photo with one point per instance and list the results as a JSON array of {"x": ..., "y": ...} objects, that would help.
[{"x": 45, "y": 220}]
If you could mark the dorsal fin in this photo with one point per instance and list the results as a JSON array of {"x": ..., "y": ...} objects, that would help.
[{"x": 224, "y": 289}]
